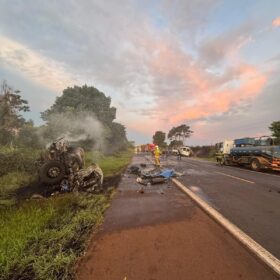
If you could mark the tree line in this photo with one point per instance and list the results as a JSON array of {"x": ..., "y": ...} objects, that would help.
[
  {"x": 178, "y": 134},
  {"x": 79, "y": 111}
]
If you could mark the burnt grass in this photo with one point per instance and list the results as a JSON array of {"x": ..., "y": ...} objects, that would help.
[
  {"x": 112, "y": 181},
  {"x": 37, "y": 187}
]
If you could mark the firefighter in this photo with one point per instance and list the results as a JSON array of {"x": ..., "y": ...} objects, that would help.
[
  {"x": 219, "y": 158},
  {"x": 157, "y": 154}
]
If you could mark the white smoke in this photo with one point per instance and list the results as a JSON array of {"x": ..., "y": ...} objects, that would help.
[{"x": 76, "y": 127}]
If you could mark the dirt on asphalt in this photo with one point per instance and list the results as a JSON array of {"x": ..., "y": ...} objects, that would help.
[{"x": 160, "y": 235}]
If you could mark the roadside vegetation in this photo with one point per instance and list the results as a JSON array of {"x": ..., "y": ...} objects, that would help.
[{"x": 42, "y": 239}]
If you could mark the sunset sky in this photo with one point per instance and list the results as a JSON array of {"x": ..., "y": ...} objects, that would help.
[{"x": 214, "y": 65}]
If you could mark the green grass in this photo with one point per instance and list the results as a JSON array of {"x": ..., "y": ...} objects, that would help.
[
  {"x": 111, "y": 165},
  {"x": 42, "y": 239}
]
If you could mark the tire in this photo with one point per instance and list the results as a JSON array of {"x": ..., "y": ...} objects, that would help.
[
  {"x": 255, "y": 165},
  {"x": 52, "y": 172}
]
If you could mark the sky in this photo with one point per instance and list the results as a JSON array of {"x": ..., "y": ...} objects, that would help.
[{"x": 211, "y": 64}]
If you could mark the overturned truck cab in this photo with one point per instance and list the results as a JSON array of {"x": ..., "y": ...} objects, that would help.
[{"x": 62, "y": 166}]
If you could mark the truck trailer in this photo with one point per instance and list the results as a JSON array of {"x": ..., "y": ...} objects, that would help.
[{"x": 258, "y": 154}]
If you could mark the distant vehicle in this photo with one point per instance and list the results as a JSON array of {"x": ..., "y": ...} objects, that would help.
[
  {"x": 184, "y": 151},
  {"x": 258, "y": 154}
]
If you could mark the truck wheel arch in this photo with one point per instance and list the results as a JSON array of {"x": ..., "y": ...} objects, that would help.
[{"x": 255, "y": 164}]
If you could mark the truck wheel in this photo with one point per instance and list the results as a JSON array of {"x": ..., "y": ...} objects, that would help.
[
  {"x": 52, "y": 172},
  {"x": 255, "y": 165}
]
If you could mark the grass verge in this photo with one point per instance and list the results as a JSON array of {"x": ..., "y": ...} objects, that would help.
[
  {"x": 111, "y": 165},
  {"x": 42, "y": 239}
]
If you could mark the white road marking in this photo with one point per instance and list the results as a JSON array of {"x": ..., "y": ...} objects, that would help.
[
  {"x": 241, "y": 179},
  {"x": 233, "y": 167},
  {"x": 255, "y": 248},
  {"x": 256, "y": 172}
]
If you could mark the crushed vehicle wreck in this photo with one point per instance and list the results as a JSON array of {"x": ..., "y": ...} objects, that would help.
[
  {"x": 155, "y": 176},
  {"x": 89, "y": 180},
  {"x": 62, "y": 167}
]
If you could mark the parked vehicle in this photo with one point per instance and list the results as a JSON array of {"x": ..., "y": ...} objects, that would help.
[
  {"x": 258, "y": 154},
  {"x": 184, "y": 151}
]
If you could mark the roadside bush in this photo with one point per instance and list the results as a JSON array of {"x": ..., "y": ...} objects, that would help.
[{"x": 19, "y": 160}]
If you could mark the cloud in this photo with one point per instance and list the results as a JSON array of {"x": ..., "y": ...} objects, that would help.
[
  {"x": 191, "y": 14},
  {"x": 276, "y": 22},
  {"x": 227, "y": 45},
  {"x": 42, "y": 70},
  {"x": 153, "y": 59},
  {"x": 215, "y": 101}
]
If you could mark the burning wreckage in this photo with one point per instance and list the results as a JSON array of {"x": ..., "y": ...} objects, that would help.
[{"x": 61, "y": 167}]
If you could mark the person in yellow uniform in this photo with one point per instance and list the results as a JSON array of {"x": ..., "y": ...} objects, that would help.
[{"x": 157, "y": 154}]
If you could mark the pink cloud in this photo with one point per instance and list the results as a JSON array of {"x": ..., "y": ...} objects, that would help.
[
  {"x": 201, "y": 94},
  {"x": 250, "y": 84},
  {"x": 189, "y": 88},
  {"x": 276, "y": 22}
]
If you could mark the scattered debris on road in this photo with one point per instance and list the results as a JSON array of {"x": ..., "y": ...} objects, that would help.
[{"x": 152, "y": 176}]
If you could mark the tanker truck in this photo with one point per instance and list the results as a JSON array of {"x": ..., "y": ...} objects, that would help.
[{"x": 258, "y": 154}]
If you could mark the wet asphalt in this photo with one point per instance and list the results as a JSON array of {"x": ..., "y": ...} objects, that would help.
[
  {"x": 160, "y": 234},
  {"x": 251, "y": 200}
]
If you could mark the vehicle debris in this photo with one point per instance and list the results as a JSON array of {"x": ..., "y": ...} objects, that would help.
[
  {"x": 155, "y": 176},
  {"x": 36, "y": 196},
  {"x": 141, "y": 190},
  {"x": 61, "y": 167},
  {"x": 134, "y": 169}
]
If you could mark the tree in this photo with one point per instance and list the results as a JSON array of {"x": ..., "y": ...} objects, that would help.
[
  {"x": 11, "y": 121},
  {"x": 176, "y": 143},
  {"x": 275, "y": 129},
  {"x": 85, "y": 116},
  {"x": 179, "y": 133},
  {"x": 83, "y": 99},
  {"x": 27, "y": 136},
  {"x": 159, "y": 138}
]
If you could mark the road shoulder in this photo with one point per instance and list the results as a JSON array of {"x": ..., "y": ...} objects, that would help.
[{"x": 161, "y": 234}]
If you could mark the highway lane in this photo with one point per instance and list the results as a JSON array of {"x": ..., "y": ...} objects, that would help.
[{"x": 251, "y": 200}]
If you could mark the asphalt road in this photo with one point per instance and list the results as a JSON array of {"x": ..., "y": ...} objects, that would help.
[
  {"x": 251, "y": 200},
  {"x": 160, "y": 234}
]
